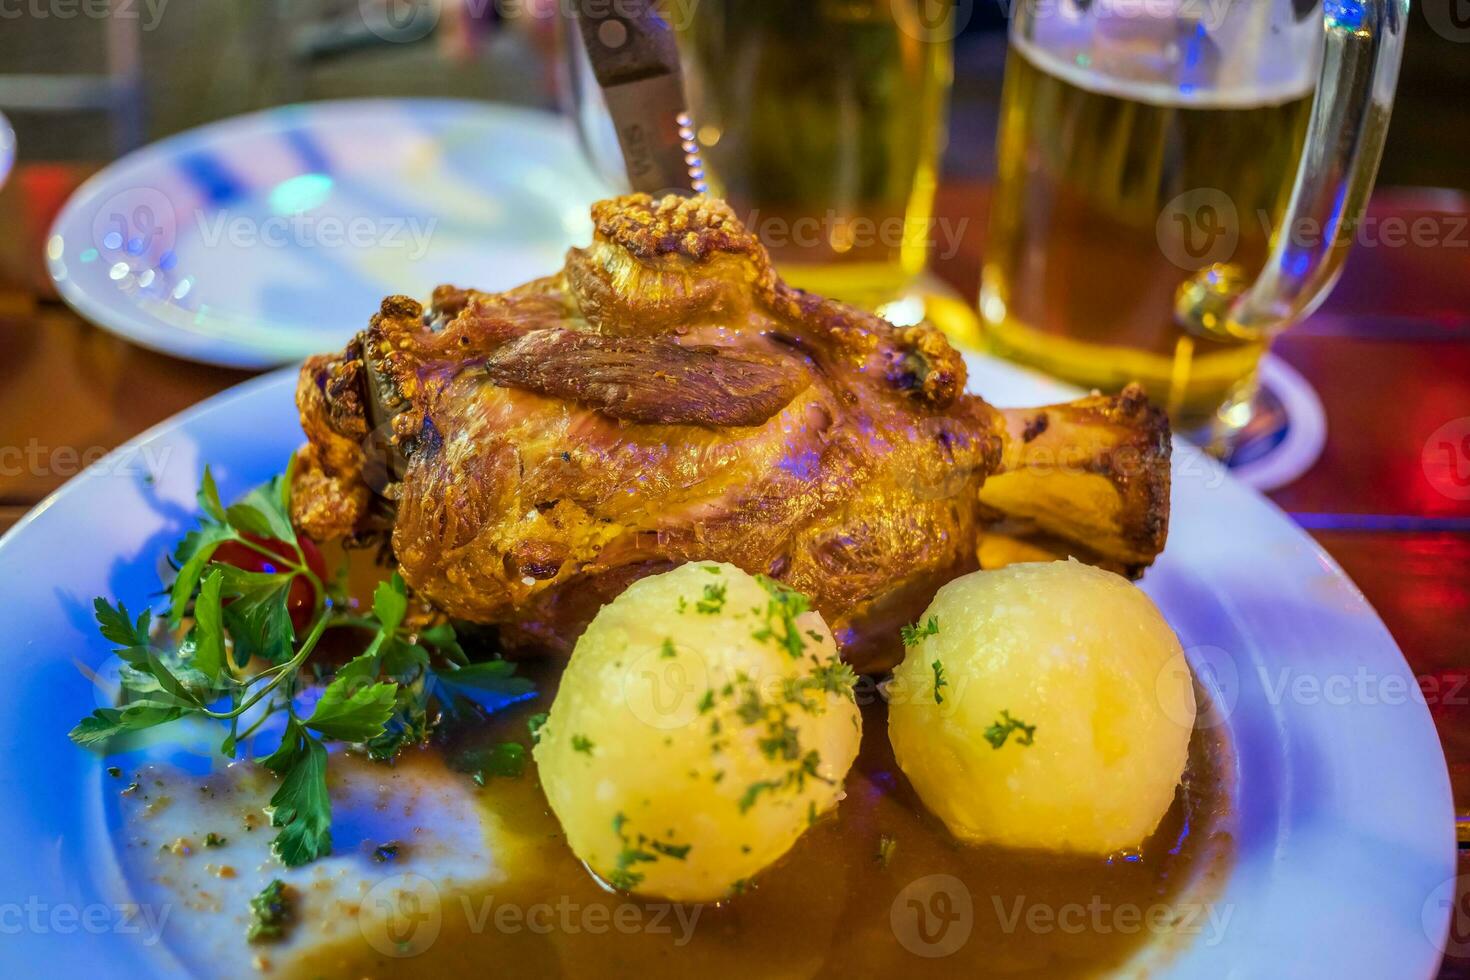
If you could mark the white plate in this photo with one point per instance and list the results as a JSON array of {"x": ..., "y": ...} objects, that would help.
[
  {"x": 1346, "y": 845},
  {"x": 214, "y": 244},
  {"x": 7, "y": 148}
]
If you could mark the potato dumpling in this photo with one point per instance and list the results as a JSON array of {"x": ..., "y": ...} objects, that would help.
[
  {"x": 1062, "y": 715},
  {"x": 704, "y": 721}
]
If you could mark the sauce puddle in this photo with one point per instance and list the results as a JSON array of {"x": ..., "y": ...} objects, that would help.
[{"x": 832, "y": 907}]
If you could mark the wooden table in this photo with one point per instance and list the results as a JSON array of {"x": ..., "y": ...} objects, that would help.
[{"x": 1389, "y": 354}]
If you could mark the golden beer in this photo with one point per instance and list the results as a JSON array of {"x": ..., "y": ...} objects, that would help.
[
  {"x": 1110, "y": 197},
  {"x": 821, "y": 122}
]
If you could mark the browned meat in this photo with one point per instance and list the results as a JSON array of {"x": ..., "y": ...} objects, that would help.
[
  {"x": 1090, "y": 474},
  {"x": 666, "y": 398},
  {"x": 652, "y": 381}
]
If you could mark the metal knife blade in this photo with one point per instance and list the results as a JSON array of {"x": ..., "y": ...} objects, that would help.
[{"x": 632, "y": 52}]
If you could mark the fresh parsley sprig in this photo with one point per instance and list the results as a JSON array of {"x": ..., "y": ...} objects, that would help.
[
  {"x": 1005, "y": 726},
  {"x": 914, "y": 635},
  {"x": 229, "y": 651}
]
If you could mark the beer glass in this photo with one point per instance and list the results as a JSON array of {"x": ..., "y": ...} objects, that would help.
[
  {"x": 821, "y": 123},
  {"x": 1177, "y": 181}
]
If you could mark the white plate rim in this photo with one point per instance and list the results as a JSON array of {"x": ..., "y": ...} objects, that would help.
[
  {"x": 1311, "y": 895},
  {"x": 128, "y": 322}
]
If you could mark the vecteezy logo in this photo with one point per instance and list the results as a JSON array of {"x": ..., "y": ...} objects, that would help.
[
  {"x": 1452, "y": 895},
  {"x": 1450, "y": 19},
  {"x": 1198, "y": 229},
  {"x": 137, "y": 228},
  {"x": 400, "y": 21},
  {"x": 401, "y": 915},
  {"x": 933, "y": 916},
  {"x": 1446, "y": 459},
  {"x": 1218, "y": 675},
  {"x": 934, "y": 21},
  {"x": 663, "y": 687}
]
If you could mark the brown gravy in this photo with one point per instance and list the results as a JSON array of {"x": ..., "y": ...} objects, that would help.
[{"x": 831, "y": 907}]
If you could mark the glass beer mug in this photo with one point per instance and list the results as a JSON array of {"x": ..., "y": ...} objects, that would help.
[
  {"x": 822, "y": 123},
  {"x": 1179, "y": 180}
]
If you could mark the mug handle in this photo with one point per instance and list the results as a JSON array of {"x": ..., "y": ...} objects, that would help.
[{"x": 1349, "y": 120}]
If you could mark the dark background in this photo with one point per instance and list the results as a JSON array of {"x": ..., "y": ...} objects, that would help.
[{"x": 206, "y": 59}]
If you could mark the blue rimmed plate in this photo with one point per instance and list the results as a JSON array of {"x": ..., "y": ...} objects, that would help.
[
  {"x": 1345, "y": 850},
  {"x": 257, "y": 240}
]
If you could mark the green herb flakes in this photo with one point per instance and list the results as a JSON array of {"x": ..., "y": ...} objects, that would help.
[
  {"x": 713, "y": 601},
  {"x": 232, "y": 645},
  {"x": 271, "y": 913},
  {"x": 913, "y": 635},
  {"x": 1005, "y": 726}
]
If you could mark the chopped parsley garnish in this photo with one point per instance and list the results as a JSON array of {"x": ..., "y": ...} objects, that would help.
[
  {"x": 583, "y": 744},
  {"x": 754, "y": 790},
  {"x": 795, "y": 779},
  {"x": 385, "y": 853},
  {"x": 114, "y": 772},
  {"x": 713, "y": 601},
  {"x": 667, "y": 651},
  {"x": 271, "y": 912},
  {"x": 835, "y": 677},
  {"x": 778, "y": 733},
  {"x": 939, "y": 681},
  {"x": 913, "y": 635},
  {"x": 212, "y": 839},
  {"x": 228, "y": 649},
  {"x": 707, "y": 701},
  {"x": 535, "y": 724},
  {"x": 505, "y": 759},
  {"x": 782, "y": 609},
  {"x": 782, "y": 742},
  {"x": 636, "y": 850},
  {"x": 623, "y": 879},
  {"x": 997, "y": 733}
]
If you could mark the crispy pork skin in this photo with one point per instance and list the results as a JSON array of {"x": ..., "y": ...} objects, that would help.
[{"x": 664, "y": 399}]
